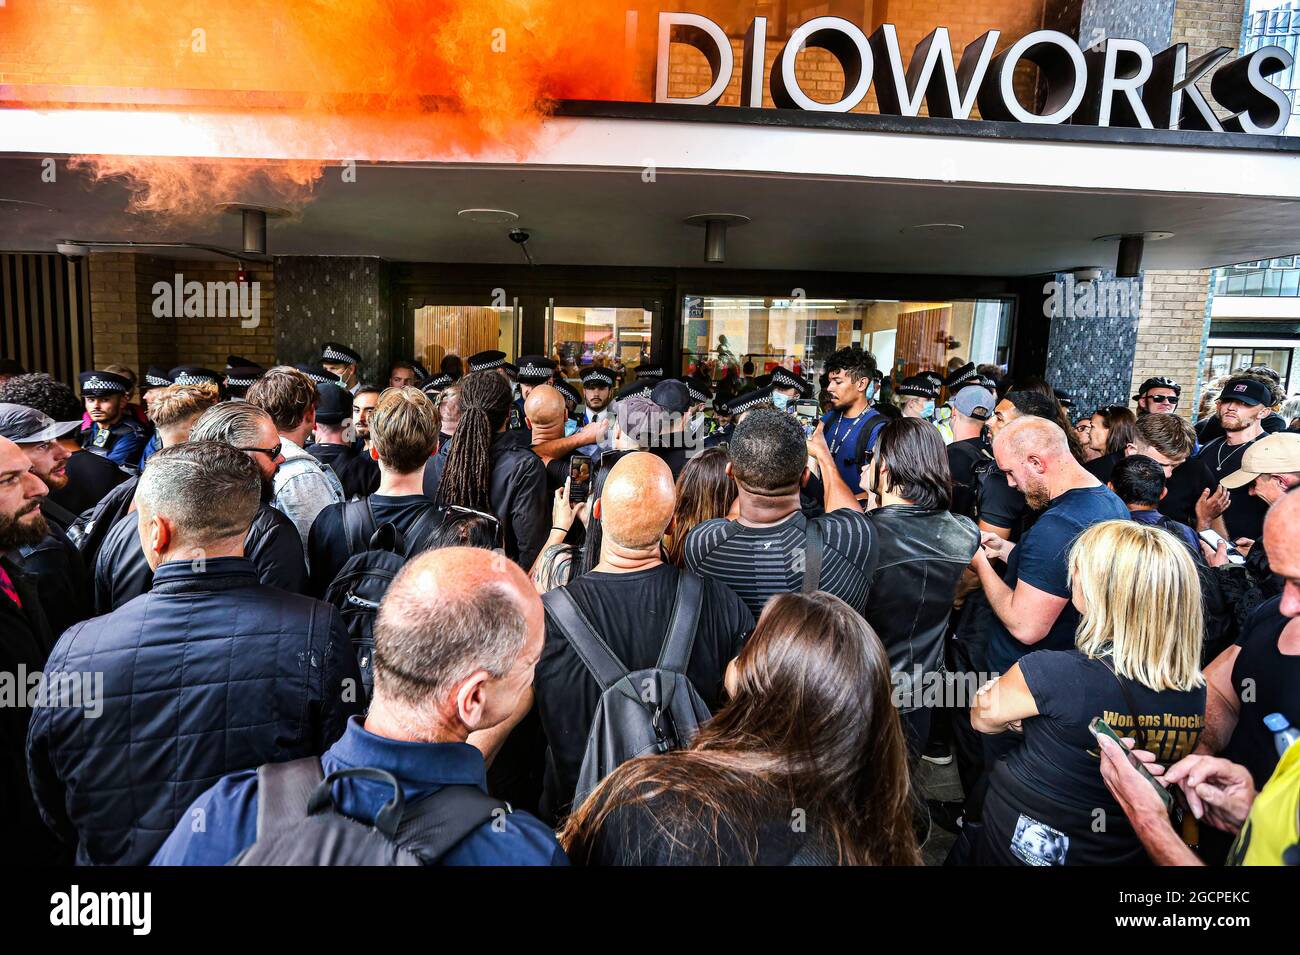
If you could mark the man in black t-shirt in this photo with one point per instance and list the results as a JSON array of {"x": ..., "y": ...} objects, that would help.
[
  {"x": 972, "y": 407},
  {"x": 628, "y": 598},
  {"x": 1243, "y": 404},
  {"x": 765, "y": 551},
  {"x": 403, "y": 432},
  {"x": 1261, "y": 673}
]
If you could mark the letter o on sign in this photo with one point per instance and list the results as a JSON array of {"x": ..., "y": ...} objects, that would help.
[
  {"x": 1061, "y": 69},
  {"x": 842, "y": 40}
]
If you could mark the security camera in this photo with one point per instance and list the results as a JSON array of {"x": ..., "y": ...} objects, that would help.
[
  {"x": 1087, "y": 274},
  {"x": 71, "y": 251},
  {"x": 519, "y": 235}
]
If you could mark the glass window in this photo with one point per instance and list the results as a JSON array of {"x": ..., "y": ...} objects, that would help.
[
  {"x": 616, "y": 337},
  {"x": 727, "y": 334}
]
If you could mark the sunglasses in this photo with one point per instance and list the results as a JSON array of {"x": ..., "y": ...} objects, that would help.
[
  {"x": 271, "y": 453},
  {"x": 1164, "y": 399}
]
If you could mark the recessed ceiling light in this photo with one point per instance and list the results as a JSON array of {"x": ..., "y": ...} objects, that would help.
[
  {"x": 489, "y": 216},
  {"x": 1149, "y": 236},
  {"x": 937, "y": 228}
]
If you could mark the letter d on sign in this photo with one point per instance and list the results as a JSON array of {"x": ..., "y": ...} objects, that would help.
[{"x": 707, "y": 37}]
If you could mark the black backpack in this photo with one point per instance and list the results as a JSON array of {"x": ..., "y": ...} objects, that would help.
[
  {"x": 647, "y": 711},
  {"x": 378, "y": 555},
  {"x": 298, "y": 823}
]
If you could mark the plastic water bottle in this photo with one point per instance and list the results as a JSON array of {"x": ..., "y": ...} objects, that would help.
[{"x": 1284, "y": 734}]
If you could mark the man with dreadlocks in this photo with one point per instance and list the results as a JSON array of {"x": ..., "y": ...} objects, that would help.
[{"x": 486, "y": 470}]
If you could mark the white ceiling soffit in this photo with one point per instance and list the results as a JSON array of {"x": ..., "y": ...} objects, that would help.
[{"x": 615, "y": 191}]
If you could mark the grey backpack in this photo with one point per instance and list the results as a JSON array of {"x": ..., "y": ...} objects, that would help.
[
  {"x": 298, "y": 823},
  {"x": 640, "y": 712}
]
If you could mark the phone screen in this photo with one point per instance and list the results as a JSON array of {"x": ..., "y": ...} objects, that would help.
[
  {"x": 1099, "y": 727},
  {"x": 579, "y": 478}
]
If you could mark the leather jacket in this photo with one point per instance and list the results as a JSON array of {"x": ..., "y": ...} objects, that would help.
[{"x": 922, "y": 556}]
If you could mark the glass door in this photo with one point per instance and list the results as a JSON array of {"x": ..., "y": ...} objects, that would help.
[
  {"x": 615, "y": 333},
  {"x": 456, "y": 328}
]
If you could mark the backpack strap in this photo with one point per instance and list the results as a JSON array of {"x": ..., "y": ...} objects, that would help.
[
  {"x": 358, "y": 525},
  {"x": 812, "y": 558},
  {"x": 421, "y": 529},
  {"x": 594, "y": 652},
  {"x": 867, "y": 436},
  {"x": 434, "y": 825},
  {"x": 676, "y": 652},
  {"x": 283, "y": 792}
]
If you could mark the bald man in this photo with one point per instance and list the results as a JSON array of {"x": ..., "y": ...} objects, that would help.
[
  {"x": 456, "y": 642},
  {"x": 546, "y": 413},
  {"x": 1265, "y": 660},
  {"x": 1031, "y": 599},
  {"x": 628, "y": 599}
]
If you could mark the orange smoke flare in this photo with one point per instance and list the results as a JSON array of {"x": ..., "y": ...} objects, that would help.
[{"x": 478, "y": 74}]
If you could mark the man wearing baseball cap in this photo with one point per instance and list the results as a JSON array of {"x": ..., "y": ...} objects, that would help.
[
  {"x": 1243, "y": 403},
  {"x": 357, "y": 471},
  {"x": 1270, "y": 468},
  {"x": 53, "y": 563},
  {"x": 1158, "y": 395},
  {"x": 112, "y": 433},
  {"x": 972, "y": 407}
]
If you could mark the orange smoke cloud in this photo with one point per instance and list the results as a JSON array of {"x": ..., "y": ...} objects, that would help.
[{"x": 478, "y": 74}]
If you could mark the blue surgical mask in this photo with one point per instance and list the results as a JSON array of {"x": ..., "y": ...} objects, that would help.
[
  {"x": 928, "y": 410},
  {"x": 570, "y": 428},
  {"x": 871, "y": 391},
  {"x": 780, "y": 400}
]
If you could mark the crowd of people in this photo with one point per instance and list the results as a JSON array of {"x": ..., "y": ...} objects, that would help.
[{"x": 498, "y": 616}]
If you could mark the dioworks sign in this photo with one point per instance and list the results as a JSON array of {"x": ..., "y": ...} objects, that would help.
[{"x": 1114, "y": 83}]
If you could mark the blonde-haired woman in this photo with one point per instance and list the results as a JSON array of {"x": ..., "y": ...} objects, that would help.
[{"x": 1136, "y": 665}]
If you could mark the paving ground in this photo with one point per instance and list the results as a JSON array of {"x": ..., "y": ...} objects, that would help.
[{"x": 938, "y": 782}]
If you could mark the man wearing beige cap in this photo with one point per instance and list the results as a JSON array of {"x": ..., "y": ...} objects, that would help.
[{"x": 1271, "y": 466}]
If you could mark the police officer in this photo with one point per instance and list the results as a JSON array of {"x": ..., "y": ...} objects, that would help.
[
  {"x": 735, "y": 410},
  {"x": 342, "y": 362},
  {"x": 435, "y": 385},
  {"x": 319, "y": 374},
  {"x": 786, "y": 387},
  {"x": 533, "y": 370},
  {"x": 155, "y": 377},
  {"x": 112, "y": 432},
  {"x": 239, "y": 378},
  {"x": 571, "y": 401},
  {"x": 597, "y": 391},
  {"x": 916, "y": 397},
  {"x": 651, "y": 373},
  {"x": 493, "y": 361}
]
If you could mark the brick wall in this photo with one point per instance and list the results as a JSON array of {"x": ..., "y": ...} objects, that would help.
[
  {"x": 127, "y": 332},
  {"x": 1175, "y": 311}
]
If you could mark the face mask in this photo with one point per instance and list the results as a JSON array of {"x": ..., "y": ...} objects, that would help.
[
  {"x": 570, "y": 428},
  {"x": 780, "y": 401},
  {"x": 870, "y": 392},
  {"x": 928, "y": 410}
]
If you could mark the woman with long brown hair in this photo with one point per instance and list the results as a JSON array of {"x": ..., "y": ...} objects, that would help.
[
  {"x": 1114, "y": 428},
  {"x": 804, "y": 765},
  {"x": 704, "y": 491}
]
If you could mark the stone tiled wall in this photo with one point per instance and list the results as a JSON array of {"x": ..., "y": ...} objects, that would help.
[
  {"x": 333, "y": 298},
  {"x": 1091, "y": 357}
]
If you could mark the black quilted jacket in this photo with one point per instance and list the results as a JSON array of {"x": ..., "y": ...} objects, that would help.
[{"x": 209, "y": 673}]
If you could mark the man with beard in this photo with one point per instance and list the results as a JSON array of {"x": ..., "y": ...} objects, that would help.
[
  {"x": 1031, "y": 601},
  {"x": 25, "y": 642},
  {"x": 1243, "y": 405},
  {"x": 272, "y": 543},
  {"x": 53, "y": 563},
  {"x": 363, "y": 403},
  {"x": 597, "y": 390},
  {"x": 355, "y": 469}
]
